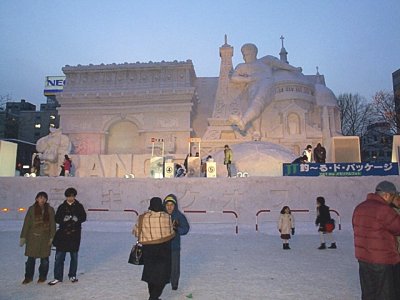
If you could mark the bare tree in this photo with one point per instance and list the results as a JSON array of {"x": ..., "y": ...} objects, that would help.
[
  {"x": 384, "y": 109},
  {"x": 3, "y": 100},
  {"x": 355, "y": 114}
]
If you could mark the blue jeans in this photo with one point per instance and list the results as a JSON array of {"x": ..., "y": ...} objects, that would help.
[
  {"x": 59, "y": 265},
  {"x": 30, "y": 267}
]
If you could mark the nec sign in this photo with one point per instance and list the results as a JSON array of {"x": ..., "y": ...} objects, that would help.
[
  {"x": 54, "y": 85},
  {"x": 55, "y": 82}
]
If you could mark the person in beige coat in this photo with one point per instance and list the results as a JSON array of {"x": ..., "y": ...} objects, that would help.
[
  {"x": 37, "y": 234},
  {"x": 286, "y": 226}
]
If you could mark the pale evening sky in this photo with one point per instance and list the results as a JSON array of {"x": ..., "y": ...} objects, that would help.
[{"x": 355, "y": 44}]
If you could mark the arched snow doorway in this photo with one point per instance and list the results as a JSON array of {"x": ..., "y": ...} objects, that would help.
[{"x": 122, "y": 138}]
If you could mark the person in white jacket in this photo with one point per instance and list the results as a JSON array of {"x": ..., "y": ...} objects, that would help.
[{"x": 286, "y": 226}]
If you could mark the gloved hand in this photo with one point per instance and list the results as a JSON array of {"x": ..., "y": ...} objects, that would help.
[
  {"x": 280, "y": 230},
  {"x": 75, "y": 218},
  {"x": 293, "y": 231},
  {"x": 67, "y": 218},
  {"x": 175, "y": 224},
  {"x": 22, "y": 242}
]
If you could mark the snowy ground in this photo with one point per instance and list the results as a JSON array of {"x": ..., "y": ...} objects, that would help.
[{"x": 216, "y": 263}]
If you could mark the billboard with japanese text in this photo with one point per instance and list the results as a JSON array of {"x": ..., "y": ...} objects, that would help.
[{"x": 341, "y": 169}]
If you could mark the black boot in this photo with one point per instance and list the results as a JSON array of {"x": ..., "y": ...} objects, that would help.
[
  {"x": 332, "y": 246},
  {"x": 323, "y": 246},
  {"x": 284, "y": 246},
  {"x": 287, "y": 246}
]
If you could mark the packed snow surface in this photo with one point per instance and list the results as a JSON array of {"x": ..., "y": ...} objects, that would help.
[{"x": 216, "y": 263}]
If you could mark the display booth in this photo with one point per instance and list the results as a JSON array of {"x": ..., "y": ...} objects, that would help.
[
  {"x": 194, "y": 162},
  {"x": 157, "y": 159},
  {"x": 8, "y": 158}
]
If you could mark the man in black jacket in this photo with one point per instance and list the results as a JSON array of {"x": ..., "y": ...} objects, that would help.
[{"x": 70, "y": 215}]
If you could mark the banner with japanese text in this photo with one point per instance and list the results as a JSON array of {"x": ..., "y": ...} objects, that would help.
[{"x": 341, "y": 169}]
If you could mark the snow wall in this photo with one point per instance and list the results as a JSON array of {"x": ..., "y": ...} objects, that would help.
[{"x": 241, "y": 201}]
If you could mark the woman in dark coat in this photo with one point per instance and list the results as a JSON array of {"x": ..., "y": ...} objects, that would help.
[
  {"x": 70, "y": 215},
  {"x": 37, "y": 233},
  {"x": 325, "y": 223},
  {"x": 155, "y": 231}
]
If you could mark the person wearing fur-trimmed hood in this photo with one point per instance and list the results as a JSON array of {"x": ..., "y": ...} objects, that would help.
[{"x": 181, "y": 227}]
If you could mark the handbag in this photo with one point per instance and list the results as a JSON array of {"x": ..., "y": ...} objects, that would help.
[
  {"x": 136, "y": 255},
  {"x": 330, "y": 226}
]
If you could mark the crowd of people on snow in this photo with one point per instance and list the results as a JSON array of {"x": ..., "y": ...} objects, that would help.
[
  {"x": 376, "y": 225},
  {"x": 318, "y": 155}
]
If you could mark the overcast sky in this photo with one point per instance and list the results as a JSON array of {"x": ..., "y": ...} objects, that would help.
[{"x": 355, "y": 44}]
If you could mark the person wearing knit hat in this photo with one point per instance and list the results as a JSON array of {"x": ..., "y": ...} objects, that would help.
[
  {"x": 155, "y": 236},
  {"x": 181, "y": 227},
  {"x": 375, "y": 226}
]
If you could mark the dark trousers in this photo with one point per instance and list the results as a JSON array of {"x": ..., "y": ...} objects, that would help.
[
  {"x": 175, "y": 267},
  {"x": 155, "y": 291},
  {"x": 377, "y": 281},
  {"x": 229, "y": 169},
  {"x": 30, "y": 267},
  {"x": 397, "y": 280}
]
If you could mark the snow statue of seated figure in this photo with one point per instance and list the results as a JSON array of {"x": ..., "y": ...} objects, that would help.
[
  {"x": 257, "y": 75},
  {"x": 52, "y": 149}
]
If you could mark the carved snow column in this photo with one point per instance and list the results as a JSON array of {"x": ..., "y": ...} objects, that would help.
[
  {"x": 221, "y": 106},
  {"x": 326, "y": 122}
]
